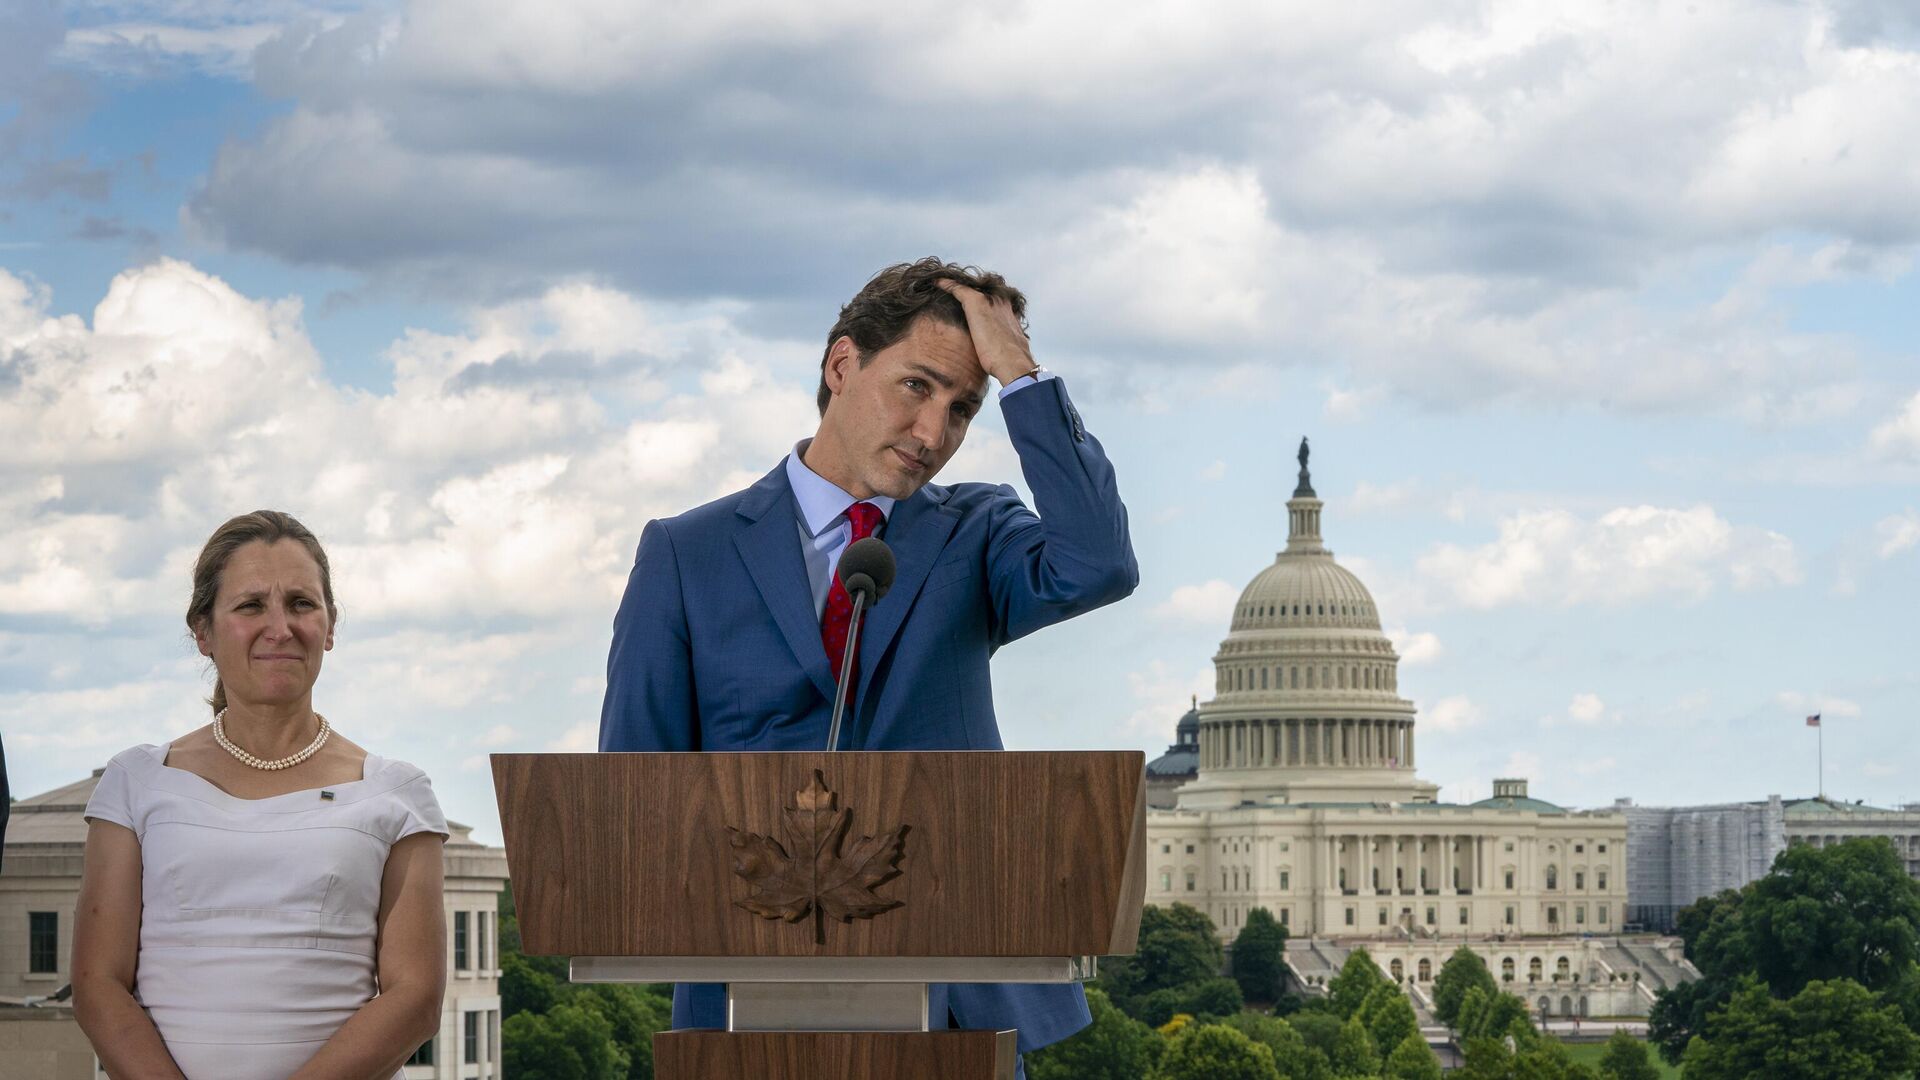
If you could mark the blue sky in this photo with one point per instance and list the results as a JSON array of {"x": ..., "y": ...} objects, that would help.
[{"x": 1601, "y": 317}]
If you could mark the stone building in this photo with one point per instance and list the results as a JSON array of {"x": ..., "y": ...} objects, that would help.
[
  {"x": 1678, "y": 854},
  {"x": 1823, "y": 822},
  {"x": 1305, "y": 802},
  {"x": 40, "y": 881},
  {"x": 1180, "y": 764}
]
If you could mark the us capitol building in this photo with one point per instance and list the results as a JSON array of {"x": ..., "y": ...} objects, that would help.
[{"x": 1294, "y": 789}]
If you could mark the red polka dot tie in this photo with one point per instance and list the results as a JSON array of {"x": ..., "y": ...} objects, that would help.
[{"x": 865, "y": 517}]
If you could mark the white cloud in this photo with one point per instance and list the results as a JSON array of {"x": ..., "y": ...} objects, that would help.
[
  {"x": 493, "y": 480},
  {"x": 1351, "y": 406},
  {"x": 1523, "y": 765},
  {"x": 1586, "y": 709},
  {"x": 1825, "y": 705},
  {"x": 583, "y": 737},
  {"x": 1466, "y": 203},
  {"x": 480, "y": 513},
  {"x": 1627, "y": 555},
  {"x": 1415, "y": 649},
  {"x": 1215, "y": 471},
  {"x": 1897, "y": 533},
  {"x": 1371, "y": 498},
  {"x": 1452, "y": 714},
  {"x": 1899, "y": 435},
  {"x": 496, "y": 736},
  {"x": 1162, "y": 696},
  {"x": 1209, "y": 603}
]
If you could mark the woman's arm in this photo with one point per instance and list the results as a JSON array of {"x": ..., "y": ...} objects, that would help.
[
  {"x": 410, "y": 953},
  {"x": 106, "y": 953}
]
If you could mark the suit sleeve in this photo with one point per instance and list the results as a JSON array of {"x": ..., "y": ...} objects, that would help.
[
  {"x": 650, "y": 703},
  {"x": 1075, "y": 554}
]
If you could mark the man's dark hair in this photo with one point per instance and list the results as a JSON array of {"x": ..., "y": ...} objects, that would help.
[{"x": 885, "y": 308}]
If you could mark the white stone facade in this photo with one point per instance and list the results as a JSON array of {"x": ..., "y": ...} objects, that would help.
[
  {"x": 1393, "y": 871},
  {"x": 1306, "y": 803}
]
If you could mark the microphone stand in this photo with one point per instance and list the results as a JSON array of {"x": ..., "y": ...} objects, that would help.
[{"x": 846, "y": 666}]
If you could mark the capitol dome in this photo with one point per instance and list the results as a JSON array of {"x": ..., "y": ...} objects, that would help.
[{"x": 1306, "y": 702}]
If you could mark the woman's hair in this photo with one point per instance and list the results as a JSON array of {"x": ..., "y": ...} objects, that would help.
[{"x": 268, "y": 526}]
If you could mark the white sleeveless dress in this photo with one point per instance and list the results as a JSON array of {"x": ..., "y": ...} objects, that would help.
[{"x": 257, "y": 915}]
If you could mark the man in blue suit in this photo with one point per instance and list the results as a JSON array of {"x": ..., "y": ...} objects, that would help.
[{"x": 718, "y": 644}]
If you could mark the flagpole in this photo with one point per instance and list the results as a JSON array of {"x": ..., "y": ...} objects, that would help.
[{"x": 1822, "y": 729}]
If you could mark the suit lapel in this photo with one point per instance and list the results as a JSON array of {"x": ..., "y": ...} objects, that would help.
[
  {"x": 769, "y": 543},
  {"x": 917, "y": 531}
]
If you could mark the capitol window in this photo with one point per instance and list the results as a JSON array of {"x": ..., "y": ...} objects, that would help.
[
  {"x": 1553, "y": 877},
  {"x": 1349, "y": 916},
  {"x": 1190, "y": 880}
]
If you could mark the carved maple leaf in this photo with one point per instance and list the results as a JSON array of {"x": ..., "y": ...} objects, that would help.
[{"x": 809, "y": 874}]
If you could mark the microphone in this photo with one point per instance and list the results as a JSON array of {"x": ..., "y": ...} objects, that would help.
[{"x": 866, "y": 570}]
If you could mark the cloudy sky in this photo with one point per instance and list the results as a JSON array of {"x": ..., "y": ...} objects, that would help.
[{"x": 1601, "y": 315}]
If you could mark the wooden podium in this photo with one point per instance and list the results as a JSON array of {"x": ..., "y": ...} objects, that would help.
[{"x": 827, "y": 891}]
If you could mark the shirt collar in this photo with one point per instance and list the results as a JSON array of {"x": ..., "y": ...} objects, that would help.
[{"x": 820, "y": 500}]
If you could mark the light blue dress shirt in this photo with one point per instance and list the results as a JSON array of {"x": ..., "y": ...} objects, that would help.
[{"x": 825, "y": 531}]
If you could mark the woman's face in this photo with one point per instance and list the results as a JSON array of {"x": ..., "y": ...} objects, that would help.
[{"x": 269, "y": 629}]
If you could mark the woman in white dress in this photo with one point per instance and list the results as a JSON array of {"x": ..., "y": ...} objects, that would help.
[{"x": 261, "y": 898}]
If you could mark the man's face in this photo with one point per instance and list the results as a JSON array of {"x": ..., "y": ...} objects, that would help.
[{"x": 894, "y": 422}]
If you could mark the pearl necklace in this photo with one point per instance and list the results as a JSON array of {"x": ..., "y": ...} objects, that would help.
[{"x": 220, "y": 736}]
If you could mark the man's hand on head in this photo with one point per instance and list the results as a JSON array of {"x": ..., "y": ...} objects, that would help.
[{"x": 998, "y": 339}]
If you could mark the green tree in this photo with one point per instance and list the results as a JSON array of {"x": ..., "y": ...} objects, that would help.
[
  {"x": 1466, "y": 1019},
  {"x": 1319, "y": 1029},
  {"x": 1390, "y": 1021},
  {"x": 1846, "y": 911},
  {"x": 1507, "y": 1015},
  {"x": 1536, "y": 1059},
  {"x": 1292, "y": 1057},
  {"x": 1177, "y": 948},
  {"x": 635, "y": 1015},
  {"x": 1626, "y": 1059},
  {"x": 1214, "y": 998},
  {"x": 568, "y": 1042},
  {"x": 1843, "y": 912},
  {"x": 1114, "y": 1047},
  {"x": 1829, "y": 1029},
  {"x": 1354, "y": 1054},
  {"x": 1462, "y": 971},
  {"x": 1215, "y": 1052},
  {"x": 523, "y": 987},
  {"x": 1259, "y": 951},
  {"x": 1412, "y": 1059},
  {"x": 1680, "y": 1012},
  {"x": 1357, "y": 978}
]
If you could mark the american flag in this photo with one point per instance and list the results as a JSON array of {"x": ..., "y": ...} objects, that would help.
[{"x": 1814, "y": 720}]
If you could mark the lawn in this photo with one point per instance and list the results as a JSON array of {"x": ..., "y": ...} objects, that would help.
[{"x": 1589, "y": 1053}]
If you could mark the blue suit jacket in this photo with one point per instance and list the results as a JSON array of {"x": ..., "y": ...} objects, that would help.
[{"x": 716, "y": 645}]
